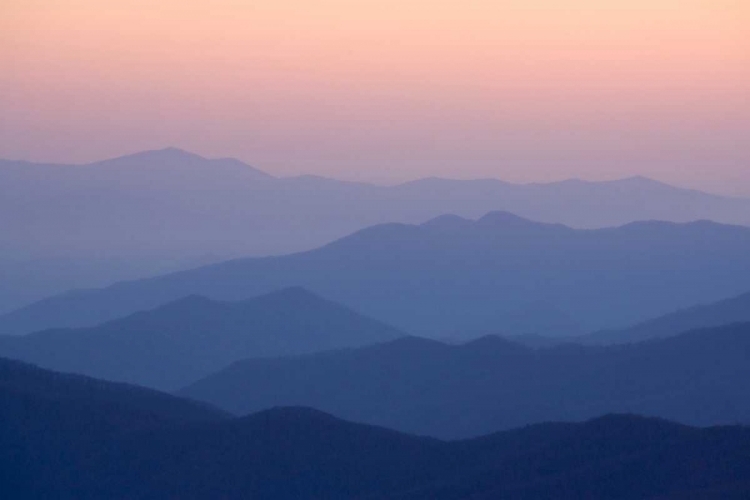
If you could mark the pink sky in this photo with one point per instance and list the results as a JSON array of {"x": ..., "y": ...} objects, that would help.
[{"x": 532, "y": 90}]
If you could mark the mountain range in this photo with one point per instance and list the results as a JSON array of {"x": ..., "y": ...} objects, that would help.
[
  {"x": 426, "y": 387},
  {"x": 80, "y": 226},
  {"x": 456, "y": 277},
  {"x": 180, "y": 342},
  {"x": 89, "y": 439}
]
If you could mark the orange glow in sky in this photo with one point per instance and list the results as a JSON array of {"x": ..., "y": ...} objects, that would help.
[{"x": 531, "y": 90}]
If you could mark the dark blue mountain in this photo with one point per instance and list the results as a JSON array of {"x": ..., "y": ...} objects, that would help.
[
  {"x": 62, "y": 447},
  {"x": 426, "y": 387}
]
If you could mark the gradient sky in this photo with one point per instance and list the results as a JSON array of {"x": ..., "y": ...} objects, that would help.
[{"x": 387, "y": 90}]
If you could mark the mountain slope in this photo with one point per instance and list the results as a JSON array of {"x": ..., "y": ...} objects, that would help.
[
  {"x": 622, "y": 457},
  {"x": 154, "y": 211},
  {"x": 182, "y": 341},
  {"x": 52, "y": 424},
  {"x": 453, "y": 275},
  {"x": 72, "y": 437},
  {"x": 28, "y": 381},
  {"x": 82, "y": 450},
  {"x": 732, "y": 310},
  {"x": 426, "y": 387}
]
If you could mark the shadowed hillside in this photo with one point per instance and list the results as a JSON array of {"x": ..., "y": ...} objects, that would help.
[
  {"x": 94, "y": 448},
  {"x": 426, "y": 387},
  {"x": 182, "y": 341},
  {"x": 733, "y": 310}
]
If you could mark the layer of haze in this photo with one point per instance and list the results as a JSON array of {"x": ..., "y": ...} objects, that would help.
[{"x": 387, "y": 90}]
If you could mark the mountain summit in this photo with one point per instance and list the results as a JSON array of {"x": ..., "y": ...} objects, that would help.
[{"x": 187, "y": 168}]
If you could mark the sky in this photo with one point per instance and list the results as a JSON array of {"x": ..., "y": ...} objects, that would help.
[{"x": 388, "y": 90}]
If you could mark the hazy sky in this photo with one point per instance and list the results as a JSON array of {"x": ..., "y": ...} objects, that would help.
[{"x": 524, "y": 90}]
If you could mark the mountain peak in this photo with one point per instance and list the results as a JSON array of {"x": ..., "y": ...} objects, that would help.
[
  {"x": 505, "y": 219},
  {"x": 171, "y": 150},
  {"x": 291, "y": 414},
  {"x": 177, "y": 161},
  {"x": 169, "y": 154}
]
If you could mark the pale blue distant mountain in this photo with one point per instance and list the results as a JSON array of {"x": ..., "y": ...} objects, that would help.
[
  {"x": 453, "y": 277},
  {"x": 724, "y": 312},
  {"x": 153, "y": 211}
]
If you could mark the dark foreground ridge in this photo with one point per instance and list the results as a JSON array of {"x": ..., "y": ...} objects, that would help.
[{"x": 115, "y": 443}]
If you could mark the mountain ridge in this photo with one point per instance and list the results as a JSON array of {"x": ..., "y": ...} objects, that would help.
[
  {"x": 731, "y": 310},
  {"x": 429, "y": 388},
  {"x": 84, "y": 449},
  {"x": 171, "y": 206},
  {"x": 178, "y": 342},
  {"x": 449, "y": 278}
]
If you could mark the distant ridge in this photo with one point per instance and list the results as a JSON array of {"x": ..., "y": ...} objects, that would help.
[
  {"x": 178, "y": 162},
  {"x": 453, "y": 278},
  {"x": 186, "y": 339},
  {"x": 82, "y": 226},
  {"x": 504, "y": 219},
  {"x": 170, "y": 154},
  {"x": 724, "y": 312}
]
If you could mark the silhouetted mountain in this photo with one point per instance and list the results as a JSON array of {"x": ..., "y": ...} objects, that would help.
[
  {"x": 154, "y": 211},
  {"x": 53, "y": 424},
  {"x": 425, "y": 387},
  {"x": 622, "y": 457},
  {"x": 73, "y": 449},
  {"x": 451, "y": 276},
  {"x": 30, "y": 383},
  {"x": 173, "y": 345},
  {"x": 733, "y": 310}
]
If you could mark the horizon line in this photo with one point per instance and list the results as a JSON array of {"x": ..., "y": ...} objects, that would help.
[{"x": 394, "y": 184}]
